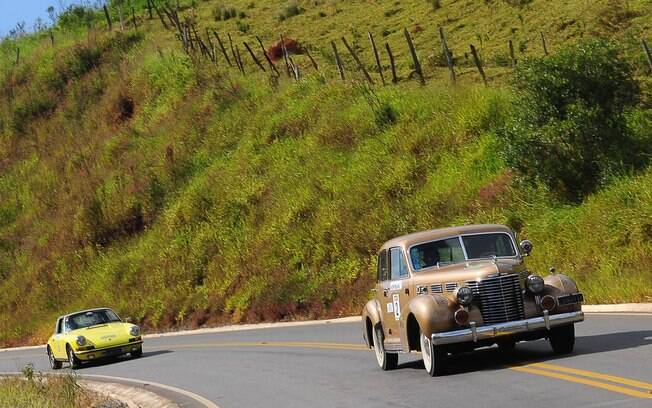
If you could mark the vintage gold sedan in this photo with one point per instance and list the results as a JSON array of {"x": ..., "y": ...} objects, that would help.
[
  {"x": 91, "y": 335},
  {"x": 457, "y": 289}
]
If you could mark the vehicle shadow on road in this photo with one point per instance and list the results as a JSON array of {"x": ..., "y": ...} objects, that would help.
[
  {"x": 492, "y": 358},
  {"x": 116, "y": 360}
]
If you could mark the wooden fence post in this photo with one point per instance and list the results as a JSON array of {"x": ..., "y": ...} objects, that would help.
[
  {"x": 447, "y": 54},
  {"x": 133, "y": 16},
  {"x": 391, "y": 61},
  {"x": 52, "y": 37},
  {"x": 17, "y": 55},
  {"x": 646, "y": 49},
  {"x": 108, "y": 17},
  {"x": 357, "y": 61},
  {"x": 511, "y": 53},
  {"x": 415, "y": 59},
  {"x": 221, "y": 44},
  {"x": 312, "y": 60},
  {"x": 269, "y": 60},
  {"x": 380, "y": 67},
  {"x": 543, "y": 42},
  {"x": 285, "y": 57},
  {"x": 121, "y": 15},
  {"x": 237, "y": 56},
  {"x": 160, "y": 15},
  {"x": 295, "y": 69},
  {"x": 149, "y": 9},
  {"x": 338, "y": 61},
  {"x": 211, "y": 45},
  {"x": 253, "y": 56},
  {"x": 478, "y": 64}
]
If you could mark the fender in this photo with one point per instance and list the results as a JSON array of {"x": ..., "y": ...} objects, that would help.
[
  {"x": 432, "y": 313},
  {"x": 370, "y": 318},
  {"x": 560, "y": 284}
]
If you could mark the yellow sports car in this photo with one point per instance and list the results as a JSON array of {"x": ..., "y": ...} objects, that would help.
[{"x": 90, "y": 335}]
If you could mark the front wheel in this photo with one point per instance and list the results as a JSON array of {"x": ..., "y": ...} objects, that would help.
[
  {"x": 433, "y": 357},
  {"x": 72, "y": 359},
  {"x": 386, "y": 361},
  {"x": 562, "y": 339},
  {"x": 54, "y": 363},
  {"x": 137, "y": 353}
]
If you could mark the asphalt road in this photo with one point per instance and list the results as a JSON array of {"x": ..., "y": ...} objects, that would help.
[{"x": 327, "y": 366}]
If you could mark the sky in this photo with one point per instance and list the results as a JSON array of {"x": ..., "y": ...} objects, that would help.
[{"x": 14, "y": 11}]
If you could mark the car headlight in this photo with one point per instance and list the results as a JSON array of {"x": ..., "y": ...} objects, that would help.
[
  {"x": 134, "y": 331},
  {"x": 81, "y": 341},
  {"x": 535, "y": 283},
  {"x": 464, "y": 295}
]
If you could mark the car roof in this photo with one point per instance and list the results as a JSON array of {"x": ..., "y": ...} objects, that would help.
[
  {"x": 84, "y": 311},
  {"x": 406, "y": 241}
]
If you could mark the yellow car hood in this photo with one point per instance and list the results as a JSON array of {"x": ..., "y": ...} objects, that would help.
[{"x": 106, "y": 335}]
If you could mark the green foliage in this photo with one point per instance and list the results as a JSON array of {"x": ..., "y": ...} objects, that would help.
[
  {"x": 77, "y": 16},
  {"x": 570, "y": 126},
  {"x": 289, "y": 11}
]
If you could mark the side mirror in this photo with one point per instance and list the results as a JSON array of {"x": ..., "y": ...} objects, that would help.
[
  {"x": 526, "y": 247},
  {"x": 127, "y": 319}
]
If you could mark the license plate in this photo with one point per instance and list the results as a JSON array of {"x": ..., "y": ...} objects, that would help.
[
  {"x": 570, "y": 299},
  {"x": 113, "y": 352}
]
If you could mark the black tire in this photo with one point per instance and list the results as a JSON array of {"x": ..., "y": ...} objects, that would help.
[
  {"x": 507, "y": 346},
  {"x": 73, "y": 361},
  {"x": 54, "y": 363},
  {"x": 562, "y": 339},
  {"x": 386, "y": 361},
  {"x": 138, "y": 353},
  {"x": 434, "y": 357}
]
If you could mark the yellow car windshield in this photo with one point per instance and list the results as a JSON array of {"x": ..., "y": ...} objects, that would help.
[{"x": 90, "y": 318}]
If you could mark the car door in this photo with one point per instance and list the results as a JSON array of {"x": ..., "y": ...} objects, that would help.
[
  {"x": 57, "y": 339},
  {"x": 384, "y": 297},
  {"x": 396, "y": 290}
]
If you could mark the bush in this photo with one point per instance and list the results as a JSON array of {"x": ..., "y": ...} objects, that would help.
[
  {"x": 290, "y": 11},
  {"x": 569, "y": 129}
]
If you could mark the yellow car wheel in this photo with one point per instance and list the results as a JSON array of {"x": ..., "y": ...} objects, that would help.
[
  {"x": 72, "y": 359},
  {"x": 54, "y": 363}
]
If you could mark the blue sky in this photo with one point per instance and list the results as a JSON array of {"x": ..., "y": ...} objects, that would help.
[{"x": 13, "y": 11}]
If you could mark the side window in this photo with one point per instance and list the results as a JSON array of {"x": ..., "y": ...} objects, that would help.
[
  {"x": 398, "y": 267},
  {"x": 382, "y": 266},
  {"x": 57, "y": 329}
]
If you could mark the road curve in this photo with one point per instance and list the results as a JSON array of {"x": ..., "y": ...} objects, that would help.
[{"x": 328, "y": 366}]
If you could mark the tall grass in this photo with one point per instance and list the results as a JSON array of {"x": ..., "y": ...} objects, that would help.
[{"x": 223, "y": 198}]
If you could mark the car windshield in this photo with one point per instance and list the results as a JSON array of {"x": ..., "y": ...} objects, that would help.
[
  {"x": 448, "y": 251},
  {"x": 436, "y": 253},
  {"x": 488, "y": 245},
  {"x": 90, "y": 318}
]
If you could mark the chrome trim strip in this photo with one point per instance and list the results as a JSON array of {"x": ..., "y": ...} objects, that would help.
[
  {"x": 501, "y": 329},
  {"x": 133, "y": 343}
]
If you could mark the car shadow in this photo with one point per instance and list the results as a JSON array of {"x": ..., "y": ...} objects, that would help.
[
  {"x": 115, "y": 360},
  {"x": 491, "y": 358}
]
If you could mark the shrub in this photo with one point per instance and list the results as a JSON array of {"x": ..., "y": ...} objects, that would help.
[
  {"x": 435, "y": 4},
  {"x": 290, "y": 11},
  {"x": 76, "y": 16},
  {"x": 33, "y": 108},
  {"x": 569, "y": 128}
]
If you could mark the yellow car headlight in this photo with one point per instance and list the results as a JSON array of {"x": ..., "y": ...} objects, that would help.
[
  {"x": 134, "y": 331},
  {"x": 81, "y": 341}
]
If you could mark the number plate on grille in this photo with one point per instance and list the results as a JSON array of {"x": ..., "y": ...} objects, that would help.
[{"x": 570, "y": 299}]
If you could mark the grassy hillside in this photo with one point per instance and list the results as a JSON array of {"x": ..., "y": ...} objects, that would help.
[{"x": 182, "y": 194}]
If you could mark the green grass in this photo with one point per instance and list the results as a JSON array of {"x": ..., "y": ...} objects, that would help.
[
  {"x": 226, "y": 198},
  {"x": 39, "y": 391}
]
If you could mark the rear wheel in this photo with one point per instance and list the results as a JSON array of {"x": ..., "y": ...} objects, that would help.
[
  {"x": 72, "y": 359},
  {"x": 54, "y": 363},
  {"x": 562, "y": 339},
  {"x": 386, "y": 361},
  {"x": 433, "y": 356}
]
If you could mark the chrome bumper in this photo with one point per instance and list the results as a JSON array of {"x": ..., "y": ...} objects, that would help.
[{"x": 503, "y": 329}]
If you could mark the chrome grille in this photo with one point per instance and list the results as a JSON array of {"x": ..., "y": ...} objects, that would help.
[
  {"x": 436, "y": 288},
  {"x": 450, "y": 287},
  {"x": 499, "y": 297}
]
